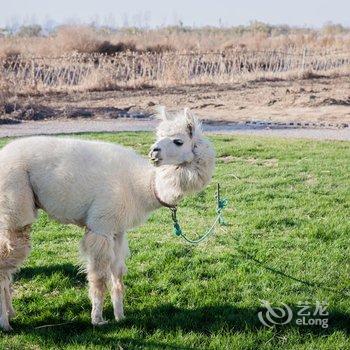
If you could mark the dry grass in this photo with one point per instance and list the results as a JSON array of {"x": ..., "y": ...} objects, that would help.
[
  {"x": 257, "y": 36},
  {"x": 84, "y": 58}
]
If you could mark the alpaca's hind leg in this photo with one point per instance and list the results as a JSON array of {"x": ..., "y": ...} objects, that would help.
[
  {"x": 7, "y": 310},
  {"x": 4, "y": 318},
  {"x": 8, "y": 295},
  {"x": 98, "y": 253},
  {"x": 118, "y": 270},
  {"x": 17, "y": 213},
  {"x": 14, "y": 248}
]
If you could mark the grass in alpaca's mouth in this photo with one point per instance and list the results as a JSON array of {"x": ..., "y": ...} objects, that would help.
[{"x": 287, "y": 242}]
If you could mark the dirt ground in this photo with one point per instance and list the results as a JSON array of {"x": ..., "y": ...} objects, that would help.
[{"x": 321, "y": 100}]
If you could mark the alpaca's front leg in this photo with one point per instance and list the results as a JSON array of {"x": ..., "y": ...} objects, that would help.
[
  {"x": 98, "y": 251},
  {"x": 118, "y": 270},
  {"x": 117, "y": 293}
]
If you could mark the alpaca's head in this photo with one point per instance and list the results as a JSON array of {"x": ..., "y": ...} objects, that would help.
[
  {"x": 176, "y": 137},
  {"x": 182, "y": 151}
]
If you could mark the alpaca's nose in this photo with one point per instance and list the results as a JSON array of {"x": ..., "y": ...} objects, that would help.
[{"x": 154, "y": 152}]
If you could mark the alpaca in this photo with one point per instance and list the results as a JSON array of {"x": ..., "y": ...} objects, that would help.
[{"x": 105, "y": 188}]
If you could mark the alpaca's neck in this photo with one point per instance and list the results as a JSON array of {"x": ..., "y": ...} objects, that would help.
[
  {"x": 156, "y": 187},
  {"x": 173, "y": 182},
  {"x": 168, "y": 184}
]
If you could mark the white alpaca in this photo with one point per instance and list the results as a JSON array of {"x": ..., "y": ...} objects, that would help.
[{"x": 105, "y": 188}]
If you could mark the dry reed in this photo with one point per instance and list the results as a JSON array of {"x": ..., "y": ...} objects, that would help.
[{"x": 134, "y": 69}]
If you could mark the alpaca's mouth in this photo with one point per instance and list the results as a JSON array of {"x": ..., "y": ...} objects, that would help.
[{"x": 155, "y": 161}]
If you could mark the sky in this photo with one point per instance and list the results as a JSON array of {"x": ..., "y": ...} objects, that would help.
[{"x": 311, "y": 13}]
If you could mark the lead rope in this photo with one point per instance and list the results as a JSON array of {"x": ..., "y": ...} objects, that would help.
[{"x": 221, "y": 203}]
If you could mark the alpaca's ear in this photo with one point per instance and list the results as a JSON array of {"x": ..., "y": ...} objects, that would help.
[
  {"x": 162, "y": 113},
  {"x": 190, "y": 120}
]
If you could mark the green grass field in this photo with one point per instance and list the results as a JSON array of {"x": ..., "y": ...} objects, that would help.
[{"x": 287, "y": 241}]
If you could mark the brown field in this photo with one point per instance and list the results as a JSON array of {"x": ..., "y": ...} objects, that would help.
[{"x": 244, "y": 73}]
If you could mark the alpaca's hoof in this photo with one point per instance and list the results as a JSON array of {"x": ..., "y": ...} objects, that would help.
[
  {"x": 119, "y": 311},
  {"x": 6, "y": 326},
  {"x": 99, "y": 322},
  {"x": 12, "y": 314},
  {"x": 119, "y": 317}
]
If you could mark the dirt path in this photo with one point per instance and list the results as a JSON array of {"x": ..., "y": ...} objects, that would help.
[
  {"x": 77, "y": 126},
  {"x": 319, "y": 101}
]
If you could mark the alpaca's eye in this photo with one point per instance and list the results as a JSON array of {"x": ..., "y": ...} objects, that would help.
[{"x": 178, "y": 142}]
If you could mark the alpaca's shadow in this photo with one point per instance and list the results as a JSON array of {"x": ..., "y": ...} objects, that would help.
[
  {"x": 213, "y": 319},
  {"x": 67, "y": 270},
  {"x": 209, "y": 321}
]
